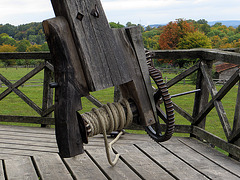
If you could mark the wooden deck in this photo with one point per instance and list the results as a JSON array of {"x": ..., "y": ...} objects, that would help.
[{"x": 31, "y": 153}]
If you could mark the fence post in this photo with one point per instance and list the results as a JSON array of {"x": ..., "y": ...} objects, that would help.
[
  {"x": 201, "y": 98},
  {"x": 0, "y": 83},
  {"x": 47, "y": 92}
]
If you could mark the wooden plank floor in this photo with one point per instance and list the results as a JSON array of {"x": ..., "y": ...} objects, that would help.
[{"x": 31, "y": 153}]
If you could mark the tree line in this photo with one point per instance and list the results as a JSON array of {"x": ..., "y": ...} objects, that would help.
[{"x": 179, "y": 34}]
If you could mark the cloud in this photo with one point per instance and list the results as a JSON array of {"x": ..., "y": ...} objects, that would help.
[
  {"x": 137, "y": 4},
  {"x": 137, "y": 11}
]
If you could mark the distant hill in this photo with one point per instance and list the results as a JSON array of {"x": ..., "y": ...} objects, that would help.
[{"x": 234, "y": 23}]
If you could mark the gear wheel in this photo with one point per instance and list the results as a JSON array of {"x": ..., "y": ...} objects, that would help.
[{"x": 160, "y": 96}]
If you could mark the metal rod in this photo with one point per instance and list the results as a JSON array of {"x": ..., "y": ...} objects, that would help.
[{"x": 185, "y": 93}]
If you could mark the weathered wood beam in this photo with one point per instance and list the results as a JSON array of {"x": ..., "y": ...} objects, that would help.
[
  {"x": 71, "y": 86},
  {"x": 213, "y": 139},
  {"x": 235, "y": 137},
  {"x": 177, "y": 54},
  {"x": 183, "y": 75},
  {"x": 19, "y": 82},
  {"x": 219, "y": 55},
  {"x": 27, "y": 119},
  {"x": 25, "y": 55},
  {"x": 217, "y": 103},
  {"x": 204, "y": 54},
  {"x": 183, "y": 113},
  {"x": 201, "y": 98},
  {"x": 220, "y": 94},
  {"x": 102, "y": 62},
  {"x": 93, "y": 100},
  {"x": 11, "y": 88}
]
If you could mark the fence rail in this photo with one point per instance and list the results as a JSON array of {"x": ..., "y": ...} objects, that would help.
[
  {"x": 45, "y": 112},
  {"x": 202, "y": 106}
]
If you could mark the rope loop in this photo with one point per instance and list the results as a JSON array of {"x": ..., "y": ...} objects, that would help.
[{"x": 108, "y": 118}]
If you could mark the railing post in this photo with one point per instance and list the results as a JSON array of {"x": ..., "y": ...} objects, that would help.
[
  {"x": 236, "y": 123},
  {"x": 47, "y": 92},
  {"x": 201, "y": 98}
]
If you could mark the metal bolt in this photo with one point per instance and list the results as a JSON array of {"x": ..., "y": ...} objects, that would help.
[
  {"x": 80, "y": 16},
  {"x": 95, "y": 12}
]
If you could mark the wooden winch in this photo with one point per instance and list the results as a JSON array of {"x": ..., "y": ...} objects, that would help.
[{"x": 89, "y": 56}]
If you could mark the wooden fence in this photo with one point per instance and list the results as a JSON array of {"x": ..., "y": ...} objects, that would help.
[
  {"x": 45, "y": 117},
  {"x": 202, "y": 105}
]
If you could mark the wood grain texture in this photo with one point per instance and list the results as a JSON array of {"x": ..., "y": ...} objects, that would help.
[
  {"x": 141, "y": 158},
  {"x": 137, "y": 89},
  {"x": 20, "y": 168},
  {"x": 51, "y": 167},
  {"x": 71, "y": 86},
  {"x": 2, "y": 176},
  {"x": 81, "y": 166},
  {"x": 102, "y": 63},
  {"x": 198, "y": 162}
]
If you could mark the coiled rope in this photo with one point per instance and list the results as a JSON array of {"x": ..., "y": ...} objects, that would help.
[{"x": 108, "y": 118}]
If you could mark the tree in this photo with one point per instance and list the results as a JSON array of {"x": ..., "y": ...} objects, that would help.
[
  {"x": 172, "y": 33},
  {"x": 6, "y": 39},
  {"x": 202, "y": 21},
  {"x": 194, "y": 40},
  {"x": 34, "y": 48},
  {"x": 44, "y": 47},
  {"x": 8, "y": 48},
  {"x": 129, "y": 24},
  {"x": 116, "y": 25},
  {"x": 149, "y": 28},
  {"x": 23, "y": 45}
]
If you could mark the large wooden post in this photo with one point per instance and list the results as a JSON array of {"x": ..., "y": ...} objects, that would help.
[{"x": 70, "y": 86}]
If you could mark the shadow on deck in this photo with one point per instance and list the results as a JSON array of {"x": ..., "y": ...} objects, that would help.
[{"x": 32, "y": 153}]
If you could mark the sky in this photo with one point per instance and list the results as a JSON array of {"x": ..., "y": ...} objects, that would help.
[{"x": 144, "y": 12}]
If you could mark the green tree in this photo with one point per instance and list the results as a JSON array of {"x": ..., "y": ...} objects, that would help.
[
  {"x": 194, "y": 40},
  {"x": 34, "y": 48},
  {"x": 6, "y": 39},
  {"x": 44, "y": 47},
  {"x": 202, "y": 21},
  {"x": 116, "y": 25},
  {"x": 129, "y": 24},
  {"x": 23, "y": 45}
]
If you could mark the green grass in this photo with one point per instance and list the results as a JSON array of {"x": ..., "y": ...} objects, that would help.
[{"x": 13, "y": 105}]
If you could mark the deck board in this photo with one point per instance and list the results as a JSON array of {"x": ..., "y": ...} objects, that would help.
[
  {"x": 20, "y": 168},
  {"x": 33, "y": 151}
]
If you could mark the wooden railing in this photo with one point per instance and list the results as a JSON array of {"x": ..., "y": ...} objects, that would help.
[
  {"x": 45, "y": 117},
  {"x": 202, "y": 105}
]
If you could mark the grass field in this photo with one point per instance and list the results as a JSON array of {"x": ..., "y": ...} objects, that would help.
[{"x": 13, "y": 105}]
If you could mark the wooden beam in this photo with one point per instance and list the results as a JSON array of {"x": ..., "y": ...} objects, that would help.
[
  {"x": 217, "y": 103},
  {"x": 137, "y": 90},
  {"x": 182, "y": 75},
  {"x": 11, "y": 87},
  {"x": 71, "y": 86},
  {"x": 27, "y": 119},
  {"x": 183, "y": 113},
  {"x": 211, "y": 138},
  {"x": 96, "y": 46},
  {"x": 25, "y": 55},
  {"x": 235, "y": 137}
]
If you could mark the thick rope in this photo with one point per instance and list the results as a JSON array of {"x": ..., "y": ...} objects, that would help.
[{"x": 108, "y": 118}]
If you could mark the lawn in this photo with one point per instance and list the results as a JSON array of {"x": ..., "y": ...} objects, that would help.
[{"x": 13, "y": 105}]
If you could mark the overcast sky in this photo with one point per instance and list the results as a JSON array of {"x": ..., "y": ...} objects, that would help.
[{"x": 143, "y": 12}]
